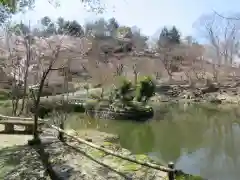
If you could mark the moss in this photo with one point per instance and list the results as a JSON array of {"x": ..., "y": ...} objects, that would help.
[
  {"x": 142, "y": 157},
  {"x": 125, "y": 166},
  {"x": 129, "y": 167},
  {"x": 107, "y": 144},
  {"x": 117, "y": 160},
  {"x": 97, "y": 154}
]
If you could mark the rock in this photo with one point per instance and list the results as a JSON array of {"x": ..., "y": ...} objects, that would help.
[
  {"x": 216, "y": 101},
  {"x": 213, "y": 87},
  {"x": 89, "y": 139}
]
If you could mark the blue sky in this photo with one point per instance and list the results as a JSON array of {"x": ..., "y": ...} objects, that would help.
[{"x": 149, "y": 15}]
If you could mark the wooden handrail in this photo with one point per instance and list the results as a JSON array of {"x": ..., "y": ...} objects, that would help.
[
  {"x": 170, "y": 169},
  {"x": 21, "y": 118},
  {"x": 150, "y": 165}
]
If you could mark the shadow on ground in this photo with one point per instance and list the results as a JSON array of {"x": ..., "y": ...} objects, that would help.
[
  {"x": 25, "y": 162},
  {"x": 21, "y": 162},
  {"x": 54, "y": 160}
]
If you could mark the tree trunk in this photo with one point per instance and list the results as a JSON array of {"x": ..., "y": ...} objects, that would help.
[
  {"x": 36, "y": 113},
  {"x": 60, "y": 135},
  {"x": 24, "y": 91},
  {"x": 28, "y": 47}
]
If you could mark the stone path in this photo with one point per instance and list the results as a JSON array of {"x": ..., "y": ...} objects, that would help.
[{"x": 73, "y": 161}]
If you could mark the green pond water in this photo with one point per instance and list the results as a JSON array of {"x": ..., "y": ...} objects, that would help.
[{"x": 201, "y": 139}]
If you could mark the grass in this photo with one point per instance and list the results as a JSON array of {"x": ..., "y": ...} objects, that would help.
[{"x": 4, "y": 94}]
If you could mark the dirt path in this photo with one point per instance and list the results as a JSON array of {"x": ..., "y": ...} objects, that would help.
[
  {"x": 18, "y": 160},
  {"x": 12, "y": 140}
]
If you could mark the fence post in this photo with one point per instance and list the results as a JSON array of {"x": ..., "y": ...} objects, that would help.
[
  {"x": 60, "y": 134},
  {"x": 171, "y": 174}
]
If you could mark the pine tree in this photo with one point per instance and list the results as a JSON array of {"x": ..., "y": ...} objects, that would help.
[
  {"x": 169, "y": 36},
  {"x": 174, "y": 36}
]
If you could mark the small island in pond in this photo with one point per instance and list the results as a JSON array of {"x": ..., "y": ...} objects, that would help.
[{"x": 127, "y": 101}]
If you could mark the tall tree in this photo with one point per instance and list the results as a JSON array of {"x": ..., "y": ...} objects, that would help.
[
  {"x": 45, "y": 21},
  {"x": 73, "y": 28},
  {"x": 49, "y": 26},
  {"x": 139, "y": 40},
  {"x": 99, "y": 28},
  {"x": 60, "y": 23},
  {"x": 16, "y": 5},
  {"x": 174, "y": 36},
  {"x": 20, "y": 29},
  {"x": 163, "y": 38},
  {"x": 112, "y": 26},
  {"x": 169, "y": 36}
]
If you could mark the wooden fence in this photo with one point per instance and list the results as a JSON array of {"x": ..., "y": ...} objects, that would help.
[{"x": 170, "y": 169}]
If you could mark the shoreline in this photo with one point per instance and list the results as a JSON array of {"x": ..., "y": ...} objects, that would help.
[
  {"x": 81, "y": 161},
  {"x": 73, "y": 160}
]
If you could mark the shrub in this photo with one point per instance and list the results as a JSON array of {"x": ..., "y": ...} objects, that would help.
[
  {"x": 125, "y": 86},
  {"x": 145, "y": 89},
  {"x": 124, "y": 91}
]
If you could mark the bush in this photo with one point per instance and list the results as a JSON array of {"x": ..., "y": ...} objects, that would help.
[
  {"x": 78, "y": 108},
  {"x": 124, "y": 90},
  {"x": 145, "y": 89},
  {"x": 125, "y": 86}
]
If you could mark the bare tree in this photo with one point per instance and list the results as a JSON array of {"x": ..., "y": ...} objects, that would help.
[
  {"x": 27, "y": 43},
  {"x": 223, "y": 37},
  {"x": 15, "y": 88},
  {"x": 17, "y": 66},
  {"x": 193, "y": 63},
  {"x": 171, "y": 58},
  {"x": 60, "y": 114},
  {"x": 51, "y": 54}
]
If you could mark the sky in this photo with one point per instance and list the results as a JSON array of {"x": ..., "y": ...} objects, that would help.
[{"x": 148, "y": 15}]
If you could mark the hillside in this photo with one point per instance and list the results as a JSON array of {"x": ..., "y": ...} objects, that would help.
[{"x": 94, "y": 59}]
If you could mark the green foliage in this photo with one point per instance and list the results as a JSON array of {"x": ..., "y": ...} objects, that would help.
[
  {"x": 73, "y": 28},
  {"x": 10, "y": 4},
  {"x": 123, "y": 91},
  {"x": 15, "y": 6},
  {"x": 169, "y": 37},
  {"x": 4, "y": 94},
  {"x": 124, "y": 32},
  {"x": 20, "y": 29},
  {"x": 126, "y": 92},
  {"x": 125, "y": 86},
  {"x": 145, "y": 89}
]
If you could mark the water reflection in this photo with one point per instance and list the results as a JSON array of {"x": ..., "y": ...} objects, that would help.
[{"x": 201, "y": 139}]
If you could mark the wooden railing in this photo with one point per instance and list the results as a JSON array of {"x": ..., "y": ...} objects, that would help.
[{"x": 170, "y": 170}]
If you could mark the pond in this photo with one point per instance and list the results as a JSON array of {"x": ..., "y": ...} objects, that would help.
[{"x": 201, "y": 139}]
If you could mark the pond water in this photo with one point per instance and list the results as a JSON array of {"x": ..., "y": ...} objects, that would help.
[{"x": 201, "y": 139}]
